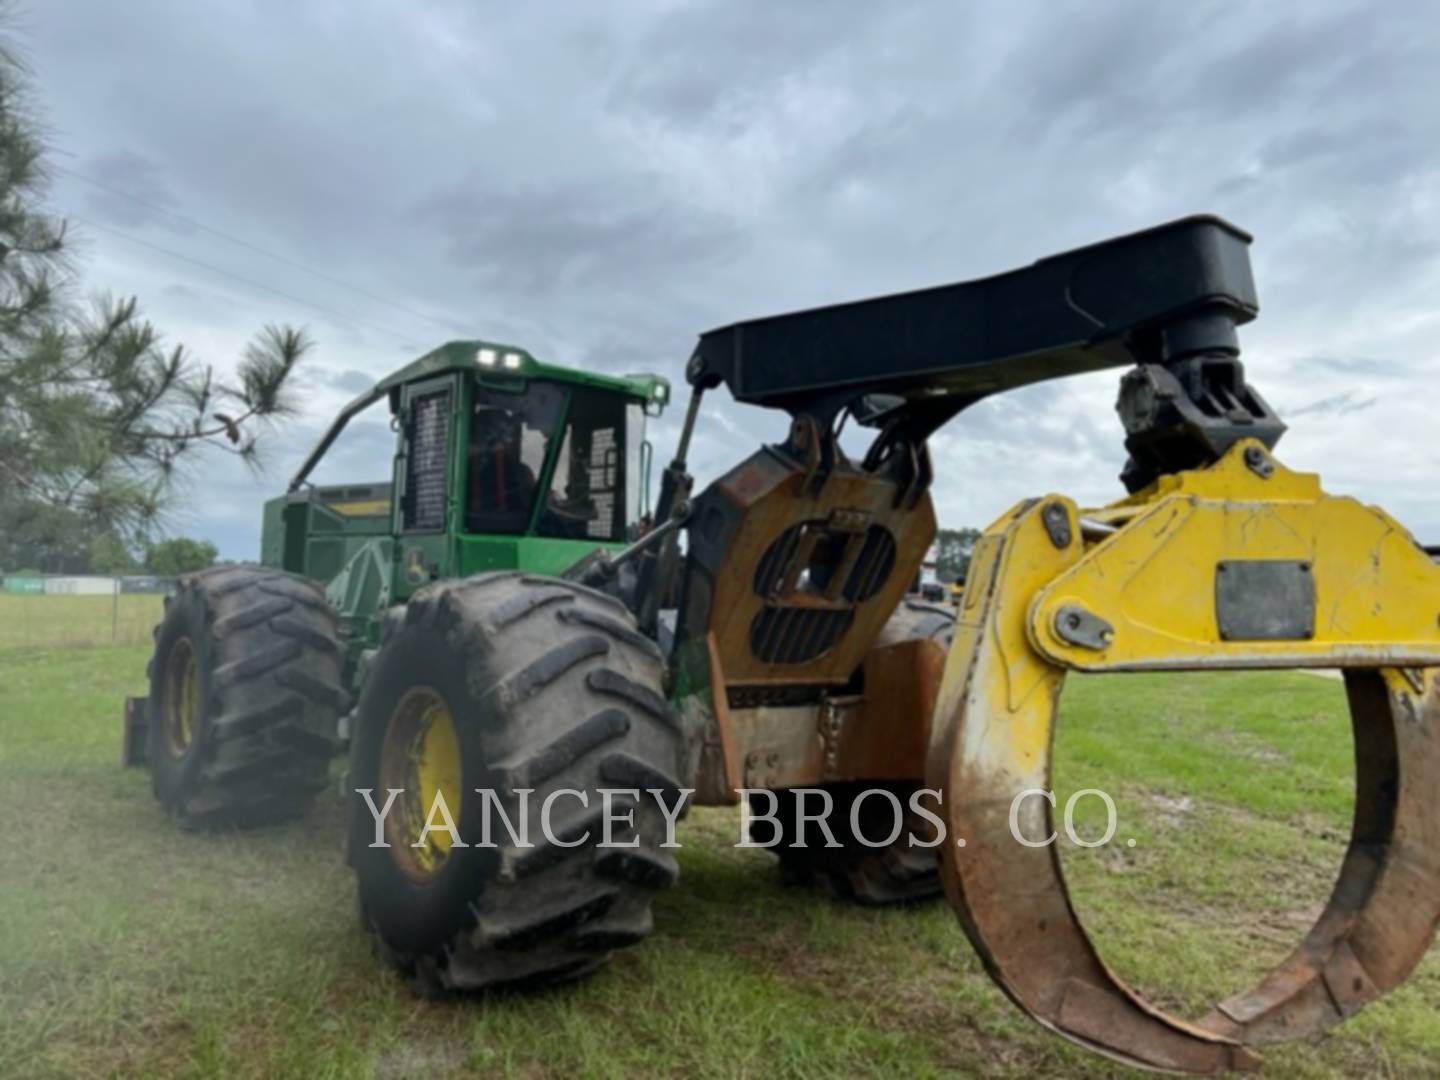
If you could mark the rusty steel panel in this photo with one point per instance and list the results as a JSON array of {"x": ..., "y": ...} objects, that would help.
[
  {"x": 887, "y": 736},
  {"x": 718, "y": 772},
  {"x": 881, "y": 734},
  {"x": 769, "y": 496}
]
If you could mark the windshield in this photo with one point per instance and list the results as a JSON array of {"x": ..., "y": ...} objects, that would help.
[
  {"x": 594, "y": 490},
  {"x": 509, "y": 437}
]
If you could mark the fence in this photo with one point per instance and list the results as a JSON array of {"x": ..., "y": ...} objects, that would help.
[{"x": 68, "y": 611}]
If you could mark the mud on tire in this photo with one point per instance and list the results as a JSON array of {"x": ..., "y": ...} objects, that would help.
[
  {"x": 549, "y": 687},
  {"x": 244, "y": 697}
]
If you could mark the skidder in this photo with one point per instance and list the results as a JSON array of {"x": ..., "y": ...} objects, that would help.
[{"x": 517, "y": 624}]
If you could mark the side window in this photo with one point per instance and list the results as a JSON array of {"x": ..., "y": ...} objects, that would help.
[
  {"x": 427, "y": 437},
  {"x": 586, "y": 500},
  {"x": 637, "y": 499}
]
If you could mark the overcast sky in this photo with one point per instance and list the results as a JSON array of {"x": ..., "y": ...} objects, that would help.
[{"x": 600, "y": 186}]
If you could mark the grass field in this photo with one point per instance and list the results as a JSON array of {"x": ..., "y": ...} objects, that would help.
[
  {"x": 129, "y": 948},
  {"x": 77, "y": 621}
]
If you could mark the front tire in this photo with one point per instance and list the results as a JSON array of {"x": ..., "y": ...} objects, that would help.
[{"x": 510, "y": 684}]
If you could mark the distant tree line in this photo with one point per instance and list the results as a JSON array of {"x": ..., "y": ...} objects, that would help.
[
  {"x": 953, "y": 548},
  {"x": 105, "y": 555}
]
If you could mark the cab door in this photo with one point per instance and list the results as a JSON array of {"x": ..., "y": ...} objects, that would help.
[{"x": 427, "y": 483}]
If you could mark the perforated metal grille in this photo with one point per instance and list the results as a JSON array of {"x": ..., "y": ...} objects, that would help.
[
  {"x": 828, "y": 549},
  {"x": 814, "y": 564},
  {"x": 429, "y": 437},
  {"x": 792, "y": 635}
]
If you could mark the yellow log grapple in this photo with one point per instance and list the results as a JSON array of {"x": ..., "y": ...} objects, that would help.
[{"x": 1243, "y": 564}]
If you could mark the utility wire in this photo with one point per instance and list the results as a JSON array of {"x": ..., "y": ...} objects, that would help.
[
  {"x": 333, "y": 313},
  {"x": 453, "y": 327}
]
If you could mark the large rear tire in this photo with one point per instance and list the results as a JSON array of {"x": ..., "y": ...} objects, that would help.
[
  {"x": 510, "y": 684},
  {"x": 244, "y": 698},
  {"x": 900, "y": 872}
]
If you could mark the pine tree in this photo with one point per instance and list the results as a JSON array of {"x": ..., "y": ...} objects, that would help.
[{"x": 97, "y": 414}]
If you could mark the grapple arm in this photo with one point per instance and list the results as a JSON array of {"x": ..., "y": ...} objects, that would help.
[{"x": 1324, "y": 582}]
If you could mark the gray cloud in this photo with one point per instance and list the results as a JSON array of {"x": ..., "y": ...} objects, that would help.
[
  {"x": 133, "y": 193},
  {"x": 1362, "y": 366},
  {"x": 718, "y": 63},
  {"x": 1335, "y": 405},
  {"x": 351, "y": 381},
  {"x": 554, "y": 239},
  {"x": 601, "y": 185}
]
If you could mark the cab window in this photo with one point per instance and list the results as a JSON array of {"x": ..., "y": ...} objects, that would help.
[
  {"x": 587, "y": 496},
  {"x": 509, "y": 438}
]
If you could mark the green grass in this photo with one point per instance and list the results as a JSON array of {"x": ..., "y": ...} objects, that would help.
[
  {"x": 77, "y": 621},
  {"x": 127, "y": 947}
]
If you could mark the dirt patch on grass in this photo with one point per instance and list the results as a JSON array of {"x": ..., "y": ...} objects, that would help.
[
  {"x": 430, "y": 1058},
  {"x": 1172, "y": 810}
]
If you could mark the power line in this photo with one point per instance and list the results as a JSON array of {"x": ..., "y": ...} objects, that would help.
[
  {"x": 333, "y": 313},
  {"x": 453, "y": 327}
]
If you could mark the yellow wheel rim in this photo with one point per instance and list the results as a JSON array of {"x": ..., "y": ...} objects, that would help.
[
  {"x": 421, "y": 757},
  {"x": 182, "y": 696}
]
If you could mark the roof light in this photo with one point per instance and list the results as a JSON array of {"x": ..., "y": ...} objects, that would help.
[
  {"x": 662, "y": 392},
  {"x": 512, "y": 361},
  {"x": 487, "y": 357}
]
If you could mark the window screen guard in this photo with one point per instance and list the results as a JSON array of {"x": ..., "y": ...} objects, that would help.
[{"x": 428, "y": 439}]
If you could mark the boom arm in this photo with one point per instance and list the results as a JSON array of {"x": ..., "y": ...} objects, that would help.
[
  {"x": 1078, "y": 311},
  {"x": 1167, "y": 299}
]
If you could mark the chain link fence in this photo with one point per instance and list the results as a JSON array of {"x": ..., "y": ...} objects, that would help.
[{"x": 70, "y": 611}]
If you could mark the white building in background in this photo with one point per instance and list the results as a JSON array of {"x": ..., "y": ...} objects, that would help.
[{"x": 79, "y": 586}]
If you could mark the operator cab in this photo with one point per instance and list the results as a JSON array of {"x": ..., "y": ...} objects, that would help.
[{"x": 501, "y": 462}]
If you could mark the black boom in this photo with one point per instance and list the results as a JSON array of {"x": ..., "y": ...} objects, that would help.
[{"x": 1167, "y": 299}]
